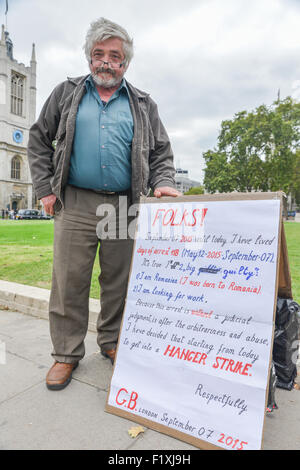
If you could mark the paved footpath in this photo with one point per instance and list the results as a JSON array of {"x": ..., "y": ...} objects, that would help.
[{"x": 32, "y": 417}]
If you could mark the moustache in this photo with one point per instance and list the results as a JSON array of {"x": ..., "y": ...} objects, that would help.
[{"x": 105, "y": 70}]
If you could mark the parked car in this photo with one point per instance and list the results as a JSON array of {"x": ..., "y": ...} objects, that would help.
[
  {"x": 27, "y": 214},
  {"x": 44, "y": 216}
]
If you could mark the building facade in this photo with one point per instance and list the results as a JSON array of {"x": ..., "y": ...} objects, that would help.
[
  {"x": 17, "y": 114},
  {"x": 183, "y": 182}
]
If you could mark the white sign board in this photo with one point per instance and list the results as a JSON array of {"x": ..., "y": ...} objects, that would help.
[{"x": 194, "y": 349}]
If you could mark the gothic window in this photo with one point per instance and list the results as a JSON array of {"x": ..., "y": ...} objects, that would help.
[
  {"x": 17, "y": 93},
  {"x": 16, "y": 168}
]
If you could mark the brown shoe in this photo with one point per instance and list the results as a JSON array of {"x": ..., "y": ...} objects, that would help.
[
  {"x": 60, "y": 375},
  {"x": 110, "y": 354}
]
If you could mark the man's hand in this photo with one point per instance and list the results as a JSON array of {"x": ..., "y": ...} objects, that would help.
[
  {"x": 48, "y": 203},
  {"x": 166, "y": 191}
]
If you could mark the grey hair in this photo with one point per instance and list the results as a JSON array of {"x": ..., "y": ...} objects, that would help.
[{"x": 103, "y": 29}]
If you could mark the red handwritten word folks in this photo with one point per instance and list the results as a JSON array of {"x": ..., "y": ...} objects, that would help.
[{"x": 175, "y": 219}]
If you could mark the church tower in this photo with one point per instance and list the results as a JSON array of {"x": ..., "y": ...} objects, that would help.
[{"x": 17, "y": 114}]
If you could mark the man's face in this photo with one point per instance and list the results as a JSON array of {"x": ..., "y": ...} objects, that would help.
[{"x": 110, "y": 50}]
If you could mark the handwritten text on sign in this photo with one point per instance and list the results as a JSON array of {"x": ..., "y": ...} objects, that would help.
[{"x": 195, "y": 343}]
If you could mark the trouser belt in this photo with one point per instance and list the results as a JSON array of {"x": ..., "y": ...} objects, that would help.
[{"x": 103, "y": 191}]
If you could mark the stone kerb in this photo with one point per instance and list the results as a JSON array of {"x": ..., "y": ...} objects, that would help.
[{"x": 34, "y": 301}]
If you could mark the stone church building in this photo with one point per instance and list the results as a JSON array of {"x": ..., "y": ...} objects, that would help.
[{"x": 17, "y": 114}]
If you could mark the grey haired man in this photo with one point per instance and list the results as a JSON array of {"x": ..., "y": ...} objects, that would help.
[{"x": 110, "y": 142}]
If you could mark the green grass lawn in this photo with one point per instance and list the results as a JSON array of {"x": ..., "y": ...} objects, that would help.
[
  {"x": 292, "y": 233},
  {"x": 26, "y": 254}
]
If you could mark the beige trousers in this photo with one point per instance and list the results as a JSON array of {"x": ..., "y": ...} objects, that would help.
[{"x": 75, "y": 247}]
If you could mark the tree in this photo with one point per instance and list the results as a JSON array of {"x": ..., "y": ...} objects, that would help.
[
  {"x": 256, "y": 150},
  {"x": 195, "y": 190},
  {"x": 218, "y": 176}
]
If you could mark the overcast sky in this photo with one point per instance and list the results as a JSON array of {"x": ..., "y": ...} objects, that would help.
[{"x": 202, "y": 61}]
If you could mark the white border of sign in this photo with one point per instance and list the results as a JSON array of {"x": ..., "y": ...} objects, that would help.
[{"x": 282, "y": 259}]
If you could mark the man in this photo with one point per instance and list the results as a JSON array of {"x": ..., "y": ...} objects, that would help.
[{"x": 110, "y": 143}]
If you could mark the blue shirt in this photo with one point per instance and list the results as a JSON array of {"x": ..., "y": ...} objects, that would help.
[{"x": 101, "y": 153}]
